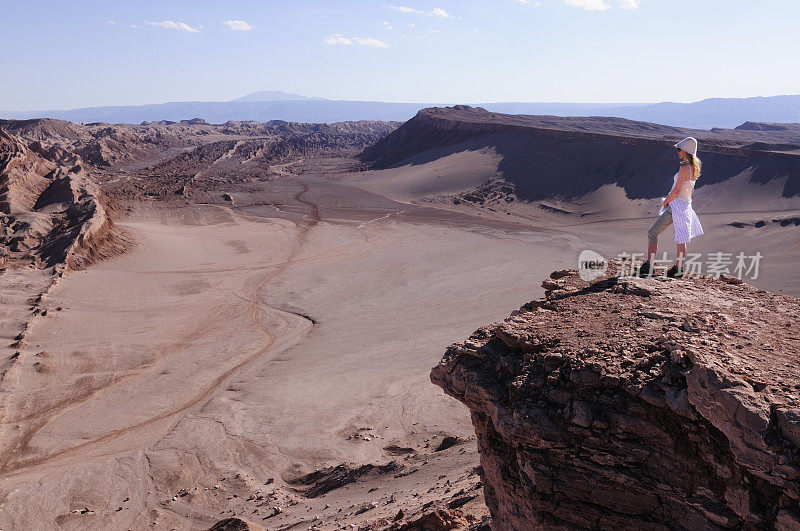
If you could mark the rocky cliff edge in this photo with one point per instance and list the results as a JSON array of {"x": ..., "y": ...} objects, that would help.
[{"x": 637, "y": 403}]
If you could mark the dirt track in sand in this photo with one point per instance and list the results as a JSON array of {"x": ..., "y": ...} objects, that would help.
[{"x": 6, "y": 460}]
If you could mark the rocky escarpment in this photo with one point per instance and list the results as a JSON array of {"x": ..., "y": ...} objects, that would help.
[
  {"x": 51, "y": 210},
  {"x": 199, "y": 170},
  {"x": 109, "y": 145},
  {"x": 637, "y": 403},
  {"x": 101, "y": 145},
  {"x": 192, "y": 157},
  {"x": 568, "y": 157}
]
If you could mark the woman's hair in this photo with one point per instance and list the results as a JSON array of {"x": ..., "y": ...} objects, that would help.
[{"x": 696, "y": 164}]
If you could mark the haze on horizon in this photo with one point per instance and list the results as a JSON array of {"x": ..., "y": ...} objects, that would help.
[{"x": 69, "y": 55}]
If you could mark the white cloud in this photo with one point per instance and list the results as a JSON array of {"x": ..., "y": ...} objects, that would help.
[
  {"x": 338, "y": 38},
  {"x": 404, "y": 9},
  {"x": 238, "y": 25},
  {"x": 180, "y": 26},
  {"x": 369, "y": 41},
  {"x": 135, "y": 26},
  {"x": 589, "y": 5},
  {"x": 110, "y": 22},
  {"x": 386, "y": 25},
  {"x": 601, "y": 5},
  {"x": 523, "y": 1},
  {"x": 435, "y": 12}
]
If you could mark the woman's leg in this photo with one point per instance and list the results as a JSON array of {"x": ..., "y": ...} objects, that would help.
[
  {"x": 663, "y": 221},
  {"x": 681, "y": 252},
  {"x": 652, "y": 249}
]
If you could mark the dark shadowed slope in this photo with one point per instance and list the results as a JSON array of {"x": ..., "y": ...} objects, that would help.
[{"x": 548, "y": 156}]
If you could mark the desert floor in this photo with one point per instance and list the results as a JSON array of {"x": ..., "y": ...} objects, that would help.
[{"x": 240, "y": 346}]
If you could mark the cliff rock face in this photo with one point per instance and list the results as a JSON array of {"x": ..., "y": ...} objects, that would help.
[{"x": 637, "y": 403}]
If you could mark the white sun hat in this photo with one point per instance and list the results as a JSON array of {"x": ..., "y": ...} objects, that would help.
[{"x": 689, "y": 145}]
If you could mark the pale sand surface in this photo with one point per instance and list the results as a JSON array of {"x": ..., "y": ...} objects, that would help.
[
  {"x": 18, "y": 292},
  {"x": 235, "y": 345},
  {"x": 231, "y": 345}
]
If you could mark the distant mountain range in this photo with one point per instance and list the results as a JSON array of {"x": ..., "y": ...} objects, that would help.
[
  {"x": 273, "y": 95},
  {"x": 274, "y": 105}
]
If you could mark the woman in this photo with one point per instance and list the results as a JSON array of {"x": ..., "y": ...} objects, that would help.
[{"x": 677, "y": 209}]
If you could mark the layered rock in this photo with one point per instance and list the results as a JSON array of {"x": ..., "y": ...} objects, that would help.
[
  {"x": 24, "y": 175},
  {"x": 52, "y": 211},
  {"x": 637, "y": 403}
]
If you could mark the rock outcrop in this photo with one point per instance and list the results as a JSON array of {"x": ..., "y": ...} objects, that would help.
[
  {"x": 51, "y": 211},
  {"x": 637, "y": 403},
  {"x": 24, "y": 175}
]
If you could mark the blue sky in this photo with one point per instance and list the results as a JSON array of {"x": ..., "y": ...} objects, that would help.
[{"x": 67, "y": 54}]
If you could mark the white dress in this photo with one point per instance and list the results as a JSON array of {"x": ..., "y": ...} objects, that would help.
[{"x": 684, "y": 219}]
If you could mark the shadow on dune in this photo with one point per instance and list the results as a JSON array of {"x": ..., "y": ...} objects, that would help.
[
  {"x": 542, "y": 168},
  {"x": 546, "y": 163}
]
